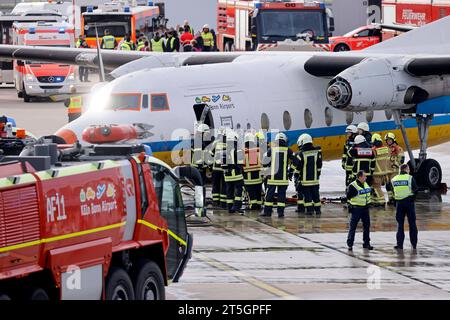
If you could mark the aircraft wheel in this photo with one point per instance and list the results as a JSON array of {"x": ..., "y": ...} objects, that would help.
[
  {"x": 431, "y": 174},
  {"x": 341, "y": 47},
  {"x": 119, "y": 285},
  {"x": 148, "y": 281}
]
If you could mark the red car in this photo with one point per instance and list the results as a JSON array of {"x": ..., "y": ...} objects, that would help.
[{"x": 357, "y": 39}]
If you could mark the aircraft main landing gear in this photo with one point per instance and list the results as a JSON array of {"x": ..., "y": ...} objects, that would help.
[{"x": 427, "y": 172}]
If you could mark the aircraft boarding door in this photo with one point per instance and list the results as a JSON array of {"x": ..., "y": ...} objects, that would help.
[
  {"x": 241, "y": 28},
  {"x": 203, "y": 115}
]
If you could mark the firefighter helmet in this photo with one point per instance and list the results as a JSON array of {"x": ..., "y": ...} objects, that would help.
[
  {"x": 304, "y": 139},
  {"x": 260, "y": 136},
  {"x": 281, "y": 137},
  {"x": 364, "y": 127},
  {"x": 360, "y": 139},
  {"x": 351, "y": 129},
  {"x": 203, "y": 128},
  {"x": 376, "y": 137},
  {"x": 390, "y": 135},
  {"x": 231, "y": 135},
  {"x": 206, "y": 26}
]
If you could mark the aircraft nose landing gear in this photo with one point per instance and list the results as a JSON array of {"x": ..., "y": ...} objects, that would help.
[{"x": 427, "y": 172}]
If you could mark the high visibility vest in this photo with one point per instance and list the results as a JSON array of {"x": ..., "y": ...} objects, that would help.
[
  {"x": 252, "y": 166},
  {"x": 364, "y": 195},
  {"x": 279, "y": 166},
  {"x": 381, "y": 160},
  {"x": 208, "y": 39},
  {"x": 108, "y": 42},
  {"x": 402, "y": 185},
  {"x": 232, "y": 168},
  {"x": 126, "y": 46},
  {"x": 309, "y": 174},
  {"x": 157, "y": 46},
  {"x": 75, "y": 105},
  {"x": 78, "y": 44},
  {"x": 141, "y": 45},
  {"x": 191, "y": 30}
]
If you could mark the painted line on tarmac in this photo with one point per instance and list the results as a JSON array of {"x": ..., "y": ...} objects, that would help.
[{"x": 245, "y": 277}]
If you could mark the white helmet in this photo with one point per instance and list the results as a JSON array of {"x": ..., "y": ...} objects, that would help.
[
  {"x": 351, "y": 129},
  {"x": 359, "y": 139},
  {"x": 303, "y": 139},
  {"x": 281, "y": 136},
  {"x": 206, "y": 26},
  {"x": 231, "y": 135},
  {"x": 364, "y": 127},
  {"x": 203, "y": 128}
]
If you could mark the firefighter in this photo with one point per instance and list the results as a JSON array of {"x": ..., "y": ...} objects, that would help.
[
  {"x": 74, "y": 107},
  {"x": 233, "y": 173},
  {"x": 347, "y": 161},
  {"x": 364, "y": 130},
  {"x": 359, "y": 195},
  {"x": 201, "y": 154},
  {"x": 261, "y": 143},
  {"x": 405, "y": 188},
  {"x": 108, "y": 41},
  {"x": 309, "y": 167},
  {"x": 219, "y": 192},
  {"x": 252, "y": 171},
  {"x": 157, "y": 43},
  {"x": 208, "y": 39},
  {"x": 396, "y": 159},
  {"x": 381, "y": 154},
  {"x": 363, "y": 158},
  {"x": 279, "y": 155}
]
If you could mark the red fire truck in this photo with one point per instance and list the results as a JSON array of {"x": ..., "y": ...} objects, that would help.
[
  {"x": 414, "y": 12},
  {"x": 104, "y": 221},
  {"x": 257, "y": 25}
]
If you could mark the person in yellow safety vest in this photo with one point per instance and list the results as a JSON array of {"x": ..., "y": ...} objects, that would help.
[
  {"x": 126, "y": 44},
  {"x": 359, "y": 197},
  {"x": 108, "y": 41},
  {"x": 186, "y": 24},
  {"x": 252, "y": 171},
  {"x": 405, "y": 188},
  {"x": 208, "y": 39},
  {"x": 74, "y": 107},
  {"x": 347, "y": 160},
  {"x": 280, "y": 155},
  {"x": 309, "y": 166},
  {"x": 173, "y": 42},
  {"x": 363, "y": 158},
  {"x": 157, "y": 43},
  {"x": 233, "y": 173},
  {"x": 219, "y": 192},
  {"x": 379, "y": 179},
  {"x": 396, "y": 159}
]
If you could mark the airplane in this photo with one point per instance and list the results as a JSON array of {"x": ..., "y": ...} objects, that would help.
[{"x": 399, "y": 85}]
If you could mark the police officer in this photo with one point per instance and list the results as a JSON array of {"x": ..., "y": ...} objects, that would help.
[
  {"x": 219, "y": 192},
  {"x": 74, "y": 107},
  {"x": 279, "y": 155},
  {"x": 309, "y": 167},
  {"x": 363, "y": 158},
  {"x": 233, "y": 173},
  {"x": 364, "y": 130},
  {"x": 359, "y": 195},
  {"x": 396, "y": 159},
  {"x": 405, "y": 188},
  {"x": 108, "y": 41},
  {"x": 252, "y": 171},
  {"x": 347, "y": 161},
  {"x": 381, "y": 154}
]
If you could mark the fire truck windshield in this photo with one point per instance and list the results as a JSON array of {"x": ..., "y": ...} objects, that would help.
[
  {"x": 290, "y": 23},
  {"x": 118, "y": 25}
]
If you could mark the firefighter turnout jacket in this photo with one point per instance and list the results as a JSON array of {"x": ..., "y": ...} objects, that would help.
[
  {"x": 233, "y": 166},
  {"x": 381, "y": 154},
  {"x": 363, "y": 158},
  {"x": 396, "y": 158},
  {"x": 309, "y": 165},
  {"x": 280, "y": 157},
  {"x": 252, "y": 165}
]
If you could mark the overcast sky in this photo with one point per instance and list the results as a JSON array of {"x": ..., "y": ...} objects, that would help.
[{"x": 198, "y": 12}]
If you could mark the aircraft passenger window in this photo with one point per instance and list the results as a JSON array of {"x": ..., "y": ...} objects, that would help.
[
  {"x": 349, "y": 117},
  {"x": 388, "y": 114},
  {"x": 328, "y": 116},
  {"x": 308, "y": 118},
  {"x": 126, "y": 101},
  {"x": 249, "y": 126},
  {"x": 369, "y": 116},
  {"x": 159, "y": 102},
  {"x": 287, "y": 120},
  {"x": 265, "y": 123},
  {"x": 238, "y": 126},
  {"x": 145, "y": 101}
]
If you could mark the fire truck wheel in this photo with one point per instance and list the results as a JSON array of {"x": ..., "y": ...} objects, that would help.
[
  {"x": 341, "y": 47},
  {"x": 118, "y": 285},
  {"x": 148, "y": 281},
  {"x": 36, "y": 293},
  {"x": 4, "y": 297}
]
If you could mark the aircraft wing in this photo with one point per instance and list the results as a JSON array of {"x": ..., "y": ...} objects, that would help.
[{"x": 397, "y": 27}]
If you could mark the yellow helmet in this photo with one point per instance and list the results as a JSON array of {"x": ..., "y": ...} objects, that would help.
[
  {"x": 389, "y": 135},
  {"x": 260, "y": 136},
  {"x": 376, "y": 137}
]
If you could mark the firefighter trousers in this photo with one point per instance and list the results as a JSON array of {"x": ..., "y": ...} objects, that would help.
[
  {"x": 270, "y": 197},
  {"x": 254, "y": 194},
  {"x": 312, "y": 199},
  {"x": 300, "y": 199},
  {"x": 219, "y": 190},
  {"x": 348, "y": 177},
  {"x": 359, "y": 213},
  {"x": 234, "y": 195},
  {"x": 378, "y": 194}
]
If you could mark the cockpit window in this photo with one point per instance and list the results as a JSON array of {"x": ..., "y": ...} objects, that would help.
[
  {"x": 159, "y": 102},
  {"x": 129, "y": 101}
]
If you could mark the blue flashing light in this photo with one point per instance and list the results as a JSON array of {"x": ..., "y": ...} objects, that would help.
[
  {"x": 126, "y": 9},
  {"x": 32, "y": 30},
  {"x": 90, "y": 9},
  {"x": 62, "y": 30},
  {"x": 322, "y": 5},
  {"x": 258, "y": 5},
  {"x": 150, "y": 3}
]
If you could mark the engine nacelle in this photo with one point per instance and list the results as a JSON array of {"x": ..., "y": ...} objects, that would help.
[{"x": 374, "y": 84}]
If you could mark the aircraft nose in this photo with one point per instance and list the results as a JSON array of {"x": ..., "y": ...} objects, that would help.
[{"x": 68, "y": 135}]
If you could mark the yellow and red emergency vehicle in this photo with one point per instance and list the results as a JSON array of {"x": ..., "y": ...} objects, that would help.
[
  {"x": 37, "y": 79},
  {"x": 121, "y": 20},
  {"x": 101, "y": 222},
  {"x": 247, "y": 25},
  {"x": 414, "y": 12}
]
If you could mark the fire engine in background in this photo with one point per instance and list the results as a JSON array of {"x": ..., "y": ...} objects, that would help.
[
  {"x": 261, "y": 25},
  {"x": 414, "y": 12},
  {"x": 34, "y": 79},
  {"x": 105, "y": 221},
  {"x": 121, "y": 19}
]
